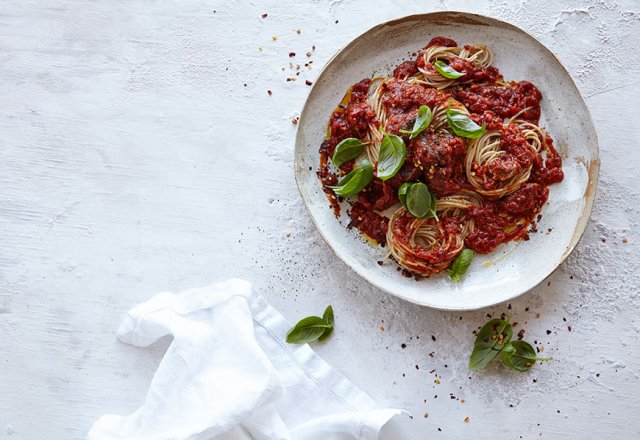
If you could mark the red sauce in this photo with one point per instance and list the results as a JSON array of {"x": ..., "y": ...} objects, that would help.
[
  {"x": 507, "y": 219},
  {"x": 368, "y": 222},
  {"x": 442, "y": 41},
  {"x": 504, "y": 101},
  {"x": 405, "y": 70}
]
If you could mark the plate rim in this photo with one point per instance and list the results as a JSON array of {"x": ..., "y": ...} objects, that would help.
[{"x": 593, "y": 168}]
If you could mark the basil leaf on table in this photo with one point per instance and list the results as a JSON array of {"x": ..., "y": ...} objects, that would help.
[
  {"x": 347, "y": 149},
  {"x": 423, "y": 120},
  {"x": 355, "y": 181},
  {"x": 463, "y": 126},
  {"x": 520, "y": 356},
  {"x": 447, "y": 71},
  {"x": 328, "y": 318},
  {"x": 312, "y": 328},
  {"x": 392, "y": 155},
  {"x": 460, "y": 264},
  {"x": 493, "y": 336},
  {"x": 419, "y": 201}
]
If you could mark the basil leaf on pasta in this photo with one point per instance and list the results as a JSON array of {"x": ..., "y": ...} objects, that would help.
[
  {"x": 447, "y": 71},
  {"x": 355, "y": 181},
  {"x": 402, "y": 193},
  {"x": 391, "y": 158},
  {"x": 461, "y": 264},
  {"x": 347, "y": 149},
  {"x": 463, "y": 126},
  {"x": 419, "y": 201},
  {"x": 423, "y": 120}
]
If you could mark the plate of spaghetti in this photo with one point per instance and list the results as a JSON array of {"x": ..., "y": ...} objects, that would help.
[{"x": 448, "y": 158}]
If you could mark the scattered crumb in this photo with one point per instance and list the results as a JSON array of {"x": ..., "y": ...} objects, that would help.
[
  {"x": 292, "y": 54},
  {"x": 288, "y": 233},
  {"x": 294, "y": 121},
  {"x": 298, "y": 31},
  {"x": 260, "y": 49},
  {"x": 269, "y": 92},
  {"x": 307, "y": 82},
  {"x": 265, "y": 15},
  {"x": 426, "y": 414},
  {"x": 381, "y": 328},
  {"x": 437, "y": 381},
  {"x": 274, "y": 37},
  {"x": 467, "y": 420},
  {"x": 625, "y": 241}
]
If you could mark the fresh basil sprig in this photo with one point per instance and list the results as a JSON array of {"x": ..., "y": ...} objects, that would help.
[
  {"x": 460, "y": 264},
  {"x": 355, "y": 181},
  {"x": 447, "y": 71},
  {"x": 312, "y": 328},
  {"x": 495, "y": 338},
  {"x": 393, "y": 152},
  {"x": 347, "y": 149},
  {"x": 423, "y": 120},
  {"x": 494, "y": 335},
  {"x": 520, "y": 356},
  {"x": 463, "y": 126},
  {"x": 417, "y": 199}
]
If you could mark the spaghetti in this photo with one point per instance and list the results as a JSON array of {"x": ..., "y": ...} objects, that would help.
[{"x": 489, "y": 176}]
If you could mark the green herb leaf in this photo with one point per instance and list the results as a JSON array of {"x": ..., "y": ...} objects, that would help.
[
  {"x": 392, "y": 154},
  {"x": 493, "y": 336},
  {"x": 463, "y": 126},
  {"x": 419, "y": 201},
  {"x": 307, "y": 330},
  {"x": 446, "y": 71},
  {"x": 355, "y": 181},
  {"x": 520, "y": 356},
  {"x": 348, "y": 149},
  {"x": 423, "y": 120},
  {"x": 328, "y": 318},
  {"x": 460, "y": 264},
  {"x": 402, "y": 193}
]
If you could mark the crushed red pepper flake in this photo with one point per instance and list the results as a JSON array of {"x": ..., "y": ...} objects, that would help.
[
  {"x": 269, "y": 92},
  {"x": 292, "y": 54},
  {"x": 265, "y": 15}
]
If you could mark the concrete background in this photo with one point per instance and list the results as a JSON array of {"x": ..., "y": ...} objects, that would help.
[{"x": 140, "y": 151}]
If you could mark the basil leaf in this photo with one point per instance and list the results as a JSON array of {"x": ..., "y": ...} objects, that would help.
[
  {"x": 419, "y": 201},
  {"x": 348, "y": 149},
  {"x": 520, "y": 356},
  {"x": 402, "y": 193},
  {"x": 423, "y": 120},
  {"x": 463, "y": 126},
  {"x": 446, "y": 71},
  {"x": 328, "y": 318},
  {"x": 355, "y": 181},
  {"x": 460, "y": 264},
  {"x": 494, "y": 335},
  {"x": 307, "y": 330},
  {"x": 392, "y": 154}
]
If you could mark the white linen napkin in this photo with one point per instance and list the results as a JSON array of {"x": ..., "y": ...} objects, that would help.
[{"x": 230, "y": 375}]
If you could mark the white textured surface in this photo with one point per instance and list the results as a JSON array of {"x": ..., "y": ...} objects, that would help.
[{"x": 134, "y": 159}]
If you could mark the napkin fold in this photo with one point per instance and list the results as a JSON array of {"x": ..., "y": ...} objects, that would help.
[{"x": 230, "y": 375}]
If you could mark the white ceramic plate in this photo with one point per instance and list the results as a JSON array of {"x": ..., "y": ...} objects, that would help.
[{"x": 513, "y": 268}]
